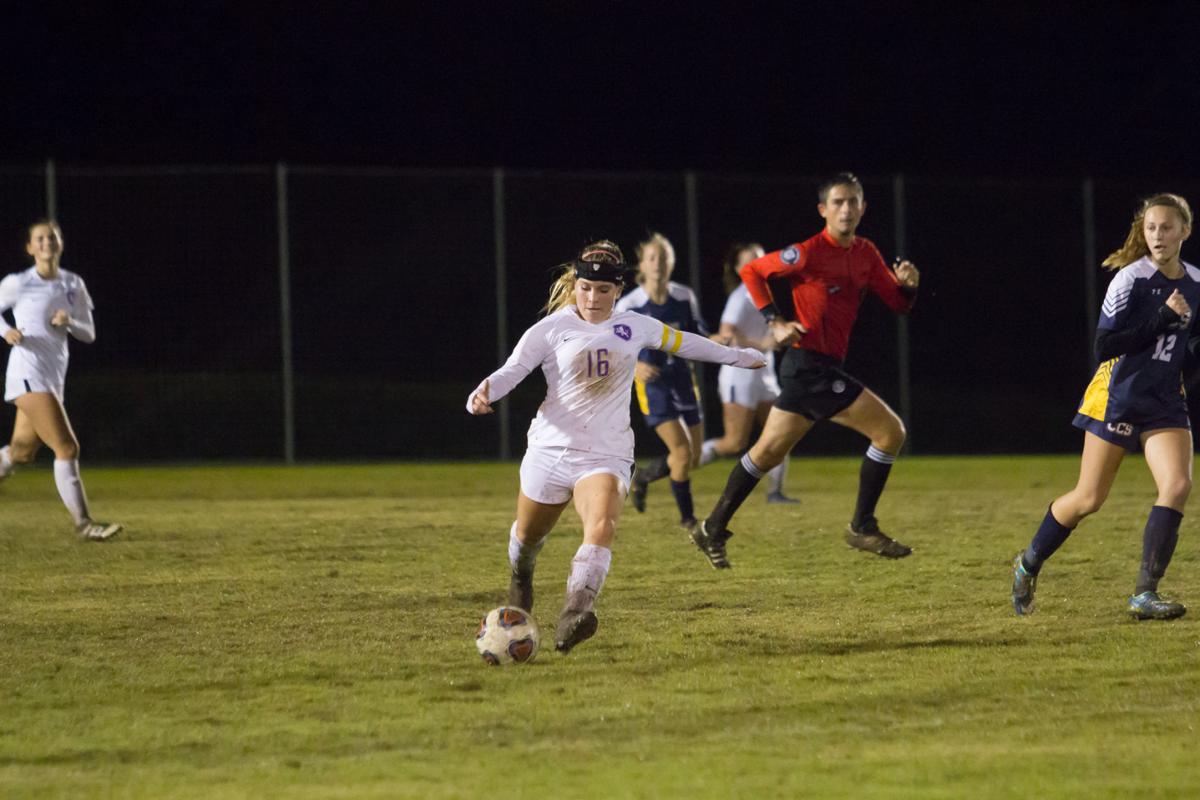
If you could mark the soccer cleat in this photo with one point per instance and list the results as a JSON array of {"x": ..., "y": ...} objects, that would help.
[
  {"x": 573, "y": 628},
  {"x": 1148, "y": 605},
  {"x": 1024, "y": 584},
  {"x": 520, "y": 591},
  {"x": 637, "y": 490},
  {"x": 711, "y": 544},
  {"x": 780, "y": 497},
  {"x": 97, "y": 531},
  {"x": 873, "y": 540}
]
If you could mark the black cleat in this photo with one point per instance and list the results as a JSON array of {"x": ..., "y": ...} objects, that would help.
[
  {"x": 711, "y": 544},
  {"x": 573, "y": 628},
  {"x": 637, "y": 490},
  {"x": 520, "y": 591},
  {"x": 873, "y": 540}
]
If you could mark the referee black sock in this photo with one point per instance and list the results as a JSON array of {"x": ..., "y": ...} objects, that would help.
[
  {"x": 872, "y": 477},
  {"x": 683, "y": 498},
  {"x": 742, "y": 480},
  {"x": 1158, "y": 545},
  {"x": 655, "y": 469}
]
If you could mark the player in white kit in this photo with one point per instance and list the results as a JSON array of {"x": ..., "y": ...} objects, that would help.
[
  {"x": 580, "y": 444},
  {"x": 746, "y": 397},
  {"x": 47, "y": 304}
]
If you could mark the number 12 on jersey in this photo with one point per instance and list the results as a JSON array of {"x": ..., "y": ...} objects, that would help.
[{"x": 1163, "y": 347}]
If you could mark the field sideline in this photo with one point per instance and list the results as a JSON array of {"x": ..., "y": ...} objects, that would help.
[{"x": 307, "y": 632}]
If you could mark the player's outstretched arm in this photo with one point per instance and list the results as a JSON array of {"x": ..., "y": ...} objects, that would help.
[
  {"x": 699, "y": 348},
  {"x": 532, "y": 348}
]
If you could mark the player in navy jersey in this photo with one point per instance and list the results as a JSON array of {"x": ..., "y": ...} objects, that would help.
[
  {"x": 665, "y": 385},
  {"x": 580, "y": 445},
  {"x": 1136, "y": 398}
]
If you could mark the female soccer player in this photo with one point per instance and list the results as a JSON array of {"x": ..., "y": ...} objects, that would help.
[
  {"x": 47, "y": 303},
  {"x": 746, "y": 397},
  {"x": 1135, "y": 398},
  {"x": 828, "y": 275},
  {"x": 665, "y": 385},
  {"x": 580, "y": 444}
]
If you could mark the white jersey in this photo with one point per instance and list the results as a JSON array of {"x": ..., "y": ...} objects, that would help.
[
  {"x": 39, "y": 362},
  {"x": 589, "y": 372},
  {"x": 741, "y": 313}
]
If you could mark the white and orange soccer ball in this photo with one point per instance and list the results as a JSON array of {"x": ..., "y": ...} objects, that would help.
[{"x": 507, "y": 635}]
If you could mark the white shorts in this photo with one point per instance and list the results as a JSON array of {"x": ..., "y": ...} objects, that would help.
[
  {"x": 748, "y": 387},
  {"x": 16, "y": 386},
  {"x": 549, "y": 474}
]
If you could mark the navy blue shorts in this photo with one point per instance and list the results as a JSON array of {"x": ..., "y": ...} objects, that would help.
[
  {"x": 670, "y": 397},
  {"x": 1129, "y": 434}
]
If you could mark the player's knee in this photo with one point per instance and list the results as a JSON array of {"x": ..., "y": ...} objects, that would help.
[
  {"x": 22, "y": 452},
  {"x": 1176, "y": 491},
  {"x": 600, "y": 530},
  {"x": 1087, "y": 503},
  {"x": 67, "y": 450},
  {"x": 893, "y": 437}
]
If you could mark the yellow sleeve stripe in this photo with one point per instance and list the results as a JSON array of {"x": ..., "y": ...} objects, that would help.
[
  {"x": 678, "y": 343},
  {"x": 666, "y": 337}
]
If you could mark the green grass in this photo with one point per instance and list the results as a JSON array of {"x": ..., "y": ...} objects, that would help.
[{"x": 271, "y": 632}]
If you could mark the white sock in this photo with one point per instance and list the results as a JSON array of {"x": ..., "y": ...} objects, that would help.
[
  {"x": 589, "y": 568},
  {"x": 70, "y": 489},
  {"x": 6, "y": 464},
  {"x": 708, "y": 452},
  {"x": 521, "y": 557},
  {"x": 775, "y": 477}
]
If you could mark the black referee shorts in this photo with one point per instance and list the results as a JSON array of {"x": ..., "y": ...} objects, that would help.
[{"x": 815, "y": 385}]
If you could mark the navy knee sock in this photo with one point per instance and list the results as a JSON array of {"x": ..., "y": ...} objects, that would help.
[
  {"x": 1158, "y": 545},
  {"x": 1049, "y": 537},
  {"x": 683, "y": 498}
]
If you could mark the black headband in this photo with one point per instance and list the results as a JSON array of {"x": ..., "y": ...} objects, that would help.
[{"x": 619, "y": 274}]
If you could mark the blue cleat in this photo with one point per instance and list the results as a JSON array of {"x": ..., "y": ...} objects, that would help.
[
  {"x": 1148, "y": 605},
  {"x": 1024, "y": 584},
  {"x": 781, "y": 498}
]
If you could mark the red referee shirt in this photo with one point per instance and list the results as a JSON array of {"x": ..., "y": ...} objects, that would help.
[{"x": 828, "y": 284}]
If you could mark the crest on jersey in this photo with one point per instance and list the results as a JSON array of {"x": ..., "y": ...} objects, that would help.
[
  {"x": 623, "y": 332},
  {"x": 790, "y": 256}
]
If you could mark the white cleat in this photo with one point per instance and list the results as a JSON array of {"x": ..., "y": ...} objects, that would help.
[{"x": 98, "y": 531}]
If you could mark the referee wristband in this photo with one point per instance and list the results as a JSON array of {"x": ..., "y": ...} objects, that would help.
[{"x": 770, "y": 312}]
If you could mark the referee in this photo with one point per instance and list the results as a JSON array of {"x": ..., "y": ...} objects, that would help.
[{"x": 828, "y": 275}]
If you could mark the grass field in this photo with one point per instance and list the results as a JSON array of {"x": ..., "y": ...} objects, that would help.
[{"x": 307, "y": 632}]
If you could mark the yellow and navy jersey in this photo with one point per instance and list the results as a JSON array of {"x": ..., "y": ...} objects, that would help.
[
  {"x": 679, "y": 311},
  {"x": 1140, "y": 378}
]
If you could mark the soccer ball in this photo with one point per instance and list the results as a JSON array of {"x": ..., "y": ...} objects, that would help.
[{"x": 507, "y": 635}]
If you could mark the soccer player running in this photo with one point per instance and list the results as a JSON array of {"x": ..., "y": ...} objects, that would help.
[
  {"x": 47, "y": 303},
  {"x": 746, "y": 397},
  {"x": 828, "y": 276},
  {"x": 664, "y": 383},
  {"x": 580, "y": 444},
  {"x": 1135, "y": 398}
]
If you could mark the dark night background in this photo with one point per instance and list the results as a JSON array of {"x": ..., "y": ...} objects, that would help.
[{"x": 392, "y": 119}]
